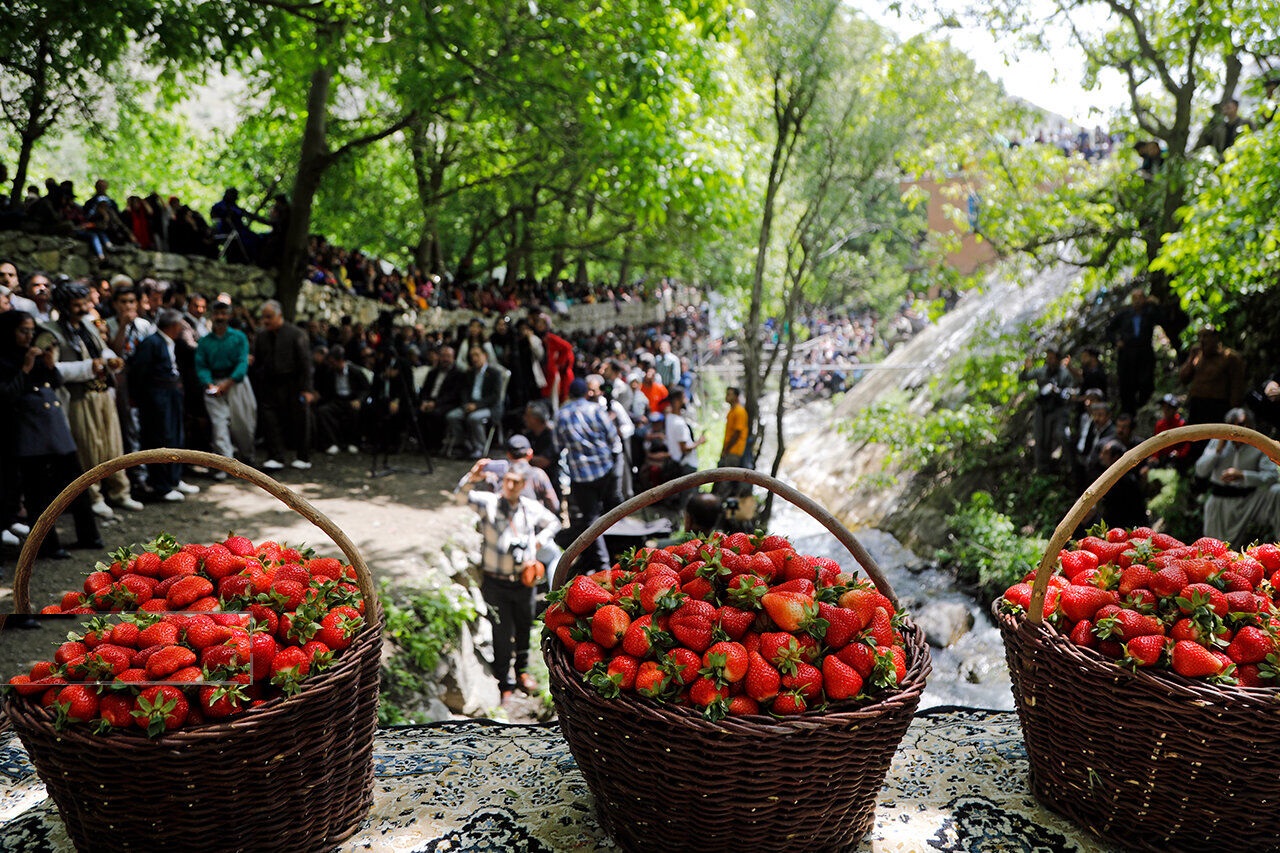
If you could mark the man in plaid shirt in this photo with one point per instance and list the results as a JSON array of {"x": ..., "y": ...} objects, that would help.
[
  {"x": 588, "y": 435},
  {"x": 514, "y": 528}
]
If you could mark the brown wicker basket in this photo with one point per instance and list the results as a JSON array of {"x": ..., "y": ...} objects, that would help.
[
  {"x": 1152, "y": 762},
  {"x": 665, "y": 778},
  {"x": 294, "y": 774}
]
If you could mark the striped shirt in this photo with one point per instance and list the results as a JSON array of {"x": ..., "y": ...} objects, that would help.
[{"x": 586, "y": 431}]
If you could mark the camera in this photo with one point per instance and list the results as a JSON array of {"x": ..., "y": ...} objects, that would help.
[{"x": 518, "y": 552}]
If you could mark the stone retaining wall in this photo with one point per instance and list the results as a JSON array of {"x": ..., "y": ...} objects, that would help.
[{"x": 251, "y": 285}]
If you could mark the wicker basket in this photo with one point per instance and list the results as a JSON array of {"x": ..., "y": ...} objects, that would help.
[
  {"x": 665, "y": 778},
  {"x": 1153, "y": 762},
  {"x": 294, "y": 774}
]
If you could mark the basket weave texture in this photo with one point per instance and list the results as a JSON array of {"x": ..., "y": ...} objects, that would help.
[
  {"x": 295, "y": 774},
  {"x": 1151, "y": 762},
  {"x": 665, "y": 778}
]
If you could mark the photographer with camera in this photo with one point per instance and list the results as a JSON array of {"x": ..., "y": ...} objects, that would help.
[
  {"x": 1053, "y": 390},
  {"x": 514, "y": 528}
]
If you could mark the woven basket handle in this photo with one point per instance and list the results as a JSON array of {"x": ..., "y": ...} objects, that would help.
[
  {"x": 1102, "y": 485},
  {"x": 718, "y": 475},
  {"x": 290, "y": 498}
]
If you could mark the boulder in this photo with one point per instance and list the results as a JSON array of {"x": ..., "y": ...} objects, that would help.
[
  {"x": 75, "y": 266},
  {"x": 944, "y": 622},
  {"x": 470, "y": 688}
]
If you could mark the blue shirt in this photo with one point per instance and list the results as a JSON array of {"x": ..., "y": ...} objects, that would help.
[{"x": 586, "y": 431}]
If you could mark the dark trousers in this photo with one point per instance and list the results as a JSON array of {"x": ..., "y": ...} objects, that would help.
[
  {"x": 285, "y": 418},
  {"x": 1135, "y": 373},
  {"x": 10, "y": 489},
  {"x": 160, "y": 411},
  {"x": 511, "y": 614},
  {"x": 1204, "y": 410},
  {"x": 337, "y": 422},
  {"x": 587, "y": 502},
  {"x": 130, "y": 433},
  {"x": 43, "y": 477}
]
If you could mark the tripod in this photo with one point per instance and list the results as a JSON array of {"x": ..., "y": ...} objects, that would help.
[{"x": 382, "y": 448}]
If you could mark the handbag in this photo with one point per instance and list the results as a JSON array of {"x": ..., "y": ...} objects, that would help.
[{"x": 533, "y": 573}]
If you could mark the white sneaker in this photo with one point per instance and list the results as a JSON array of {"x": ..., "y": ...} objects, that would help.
[
  {"x": 332, "y": 450},
  {"x": 300, "y": 465},
  {"x": 220, "y": 476},
  {"x": 7, "y": 538},
  {"x": 272, "y": 465},
  {"x": 187, "y": 488},
  {"x": 19, "y": 529},
  {"x": 174, "y": 496},
  {"x": 101, "y": 510},
  {"x": 352, "y": 449},
  {"x": 130, "y": 504}
]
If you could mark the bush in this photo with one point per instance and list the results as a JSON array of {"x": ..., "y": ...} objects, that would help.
[
  {"x": 987, "y": 550},
  {"x": 422, "y": 625}
]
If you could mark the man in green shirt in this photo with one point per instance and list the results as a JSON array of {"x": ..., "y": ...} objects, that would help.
[{"x": 222, "y": 365}]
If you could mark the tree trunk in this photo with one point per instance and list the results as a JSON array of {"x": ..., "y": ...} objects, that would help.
[
  {"x": 558, "y": 263},
  {"x": 313, "y": 159},
  {"x": 32, "y": 131},
  {"x": 624, "y": 269}
]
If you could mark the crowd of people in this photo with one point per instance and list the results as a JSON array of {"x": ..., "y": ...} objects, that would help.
[
  {"x": 240, "y": 235},
  {"x": 1083, "y": 421}
]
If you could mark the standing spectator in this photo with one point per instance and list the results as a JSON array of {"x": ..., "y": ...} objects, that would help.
[
  {"x": 1052, "y": 380},
  {"x": 1180, "y": 454},
  {"x": 282, "y": 361},
  {"x": 735, "y": 431},
  {"x": 667, "y": 364},
  {"x": 10, "y": 281},
  {"x": 342, "y": 390},
  {"x": 1102, "y": 430},
  {"x": 1131, "y": 332},
  {"x": 622, "y": 423},
  {"x": 514, "y": 528},
  {"x": 482, "y": 388},
  {"x": 36, "y": 298},
  {"x": 652, "y": 388},
  {"x": 1242, "y": 487},
  {"x": 558, "y": 369},
  {"x": 125, "y": 330},
  {"x": 87, "y": 367},
  {"x": 1090, "y": 373},
  {"x": 537, "y": 484},
  {"x": 222, "y": 369},
  {"x": 1214, "y": 377},
  {"x": 46, "y": 455},
  {"x": 587, "y": 435},
  {"x": 195, "y": 315},
  {"x": 680, "y": 441},
  {"x": 157, "y": 388}
]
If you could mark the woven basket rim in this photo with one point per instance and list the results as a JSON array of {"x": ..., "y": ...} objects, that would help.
[
  {"x": 23, "y": 712},
  {"x": 1045, "y": 636},
  {"x": 919, "y": 665}
]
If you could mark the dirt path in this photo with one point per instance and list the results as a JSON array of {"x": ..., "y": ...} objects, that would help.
[{"x": 394, "y": 520}]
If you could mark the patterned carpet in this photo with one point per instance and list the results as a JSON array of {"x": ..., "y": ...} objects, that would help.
[{"x": 958, "y": 785}]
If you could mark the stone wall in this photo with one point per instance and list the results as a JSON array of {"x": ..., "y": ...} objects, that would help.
[{"x": 251, "y": 285}]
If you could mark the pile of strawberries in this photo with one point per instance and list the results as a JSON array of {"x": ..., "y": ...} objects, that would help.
[
  {"x": 256, "y": 620},
  {"x": 730, "y": 625},
  {"x": 1146, "y": 600}
]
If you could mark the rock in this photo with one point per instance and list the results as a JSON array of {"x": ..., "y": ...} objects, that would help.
[
  {"x": 470, "y": 688},
  {"x": 944, "y": 622},
  {"x": 436, "y": 712},
  {"x": 75, "y": 266},
  {"x": 166, "y": 262},
  {"x": 45, "y": 259}
]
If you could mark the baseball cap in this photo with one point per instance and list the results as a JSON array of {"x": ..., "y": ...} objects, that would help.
[{"x": 518, "y": 444}]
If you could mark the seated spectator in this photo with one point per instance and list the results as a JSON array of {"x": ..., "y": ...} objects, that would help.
[
  {"x": 441, "y": 392},
  {"x": 1125, "y": 504},
  {"x": 231, "y": 228},
  {"x": 342, "y": 389},
  {"x": 1243, "y": 493}
]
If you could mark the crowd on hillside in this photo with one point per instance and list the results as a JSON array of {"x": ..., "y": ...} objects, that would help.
[
  {"x": 1084, "y": 422},
  {"x": 240, "y": 235}
]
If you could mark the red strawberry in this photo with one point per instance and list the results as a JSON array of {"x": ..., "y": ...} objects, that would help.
[
  {"x": 807, "y": 679},
  {"x": 657, "y": 593},
  {"x": 188, "y": 590},
  {"x": 584, "y": 595},
  {"x": 609, "y": 625},
  {"x": 843, "y": 625},
  {"x": 651, "y": 681},
  {"x": 160, "y": 709},
  {"x": 1135, "y": 578},
  {"x": 800, "y": 585},
  {"x": 167, "y": 660},
  {"x": 739, "y": 542},
  {"x": 1268, "y": 555},
  {"x": 147, "y": 563},
  {"x": 587, "y": 655},
  {"x": 240, "y": 546},
  {"x": 781, "y": 650},
  {"x": 1197, "y": 595},
  {"x": 69, "y": 651},
  {"x": 1195, "y": 661},
  {"x": 263, "y": 649},
  {"x": 773, "y": 542},
  {"x": 1076, "y": 562},
  {"x": 742, "y": 706},
  {"x": 219, "y": 562},
  {"x": 339, "y": 627},
  {"x": 790, "y": 611},
  {"x": 839, "y": 680},
  {"x": 683, "y": 665},
  {"x": 181, "y": 563},
  {"x": 77, "y": 703},
  {"x": 288, "y": 594},
  {"x": 325, "y": 568},
  {"x": 1019, "y": 595},
  {"x": 1146, "y": 650},
  {"x": 159, "y": 634},
  {"x": 1169, "y": 581},
  {"x": 117, "y": 710},
  {"x": 1210, "y": 547},
  {"x": 222, "y": 701},
  {"x": 725, "y": 662},
  {"x": 1082, "y": 602},
  {"x": 790, "y": 703},
  {"x": 1117, "y": 534},
  {"x": 1251, "y": 645},
  {"x": 705, "y": 693},
  {"x": 1126, "y": 625},
  {"x": 96, "y": 581},
  {"x": 1082, "y": 634},
  {"x": 762, "y": 681},
  {"x": 698, "y": 588},
  {"x": 735, "y": 622},
  {"x": 692, "y": 624}
]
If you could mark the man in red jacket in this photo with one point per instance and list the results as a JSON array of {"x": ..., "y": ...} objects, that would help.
[{"x": 557, "y": 367}]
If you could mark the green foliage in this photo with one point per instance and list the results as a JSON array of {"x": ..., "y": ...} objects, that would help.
[
  {"x": 422, "y": 625},
  {"x": 987, "y": 548}
]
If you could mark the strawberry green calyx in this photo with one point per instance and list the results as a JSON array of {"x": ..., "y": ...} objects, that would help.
[{"x": 164, "y": 546}]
